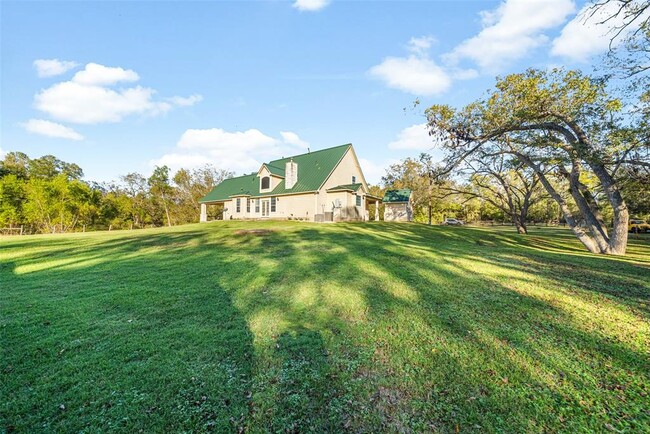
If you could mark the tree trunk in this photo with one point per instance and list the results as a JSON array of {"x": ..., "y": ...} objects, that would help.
[
  {"x": 582, "y": 236},
  {"x": 598, "y": 234},
  {"x": 169, "y": 221},
  {"x": 617, "y": 242},
  {"x": 521, "y": 227},
  {"x": 618, "y": 236},
  {"x": 523, "y": 215}
]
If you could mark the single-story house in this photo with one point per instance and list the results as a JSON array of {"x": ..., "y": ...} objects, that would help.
[
  {"x": 324, "y": 185},
  {"x": 398, "y": 205}
]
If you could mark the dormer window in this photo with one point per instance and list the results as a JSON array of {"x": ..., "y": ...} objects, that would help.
[
  {"x": 354, "y": 179},
  {"x": 266, "y": 183}
]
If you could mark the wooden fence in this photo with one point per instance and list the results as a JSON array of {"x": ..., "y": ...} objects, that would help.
[{"x": 11, "y": 231}]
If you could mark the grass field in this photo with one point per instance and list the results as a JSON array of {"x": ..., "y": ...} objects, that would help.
[{"x": 315, "y": 328}]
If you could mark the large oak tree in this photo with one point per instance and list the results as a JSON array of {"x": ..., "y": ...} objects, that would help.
[{"x": 560, "y": 118}]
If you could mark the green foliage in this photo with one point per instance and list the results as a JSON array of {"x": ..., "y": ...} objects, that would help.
[
  {"x": 15, "y": 163},
  {"x": 48, "y": 167},
  {"x": 58, "y": 204},
  {"x": 417, "y": 175},
  {"x": 12, "y": 196},
  {"x": 322, "y": 328},
  {"x": 48, "y": 195},
  {"x": 636, "y": 190}
]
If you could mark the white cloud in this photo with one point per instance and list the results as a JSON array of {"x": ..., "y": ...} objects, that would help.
[
  {"x": 239, "y": 151},
  {"x": 216, "y": 139},
  {"x": 464, "y": 74},
  {"x": 310, "y": 5},
  {"x": 52, "y": 67},
  {"x": 413, "y": 74},
  {"x": 2, "y": 153},
  {"x": 177, "y": 161},
  {"x": 587, "y": 35},
  {"x": 89, "y": 99},
  {"x": 293, "y": 139},
  {"x": 186, "y": 102},
  {"x": 51, "y": 129},
  {"x": 416, "y": 137},
  {"x": 511, "y": 31},
  {"x": 416, "y": 74},
  {"x": 420, "y": 45},
  {"x": 82, "y": 104},
  {"x": 100, "y": 75}
]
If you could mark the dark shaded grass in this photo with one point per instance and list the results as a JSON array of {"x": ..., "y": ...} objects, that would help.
[{"x": 366, "y": 327}]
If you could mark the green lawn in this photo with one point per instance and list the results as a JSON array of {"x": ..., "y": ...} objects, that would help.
[{"x": 313, "y": 328}]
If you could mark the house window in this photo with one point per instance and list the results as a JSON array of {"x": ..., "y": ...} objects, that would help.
[
  {"x": 354, "y": 180},
  {"x": 238, "y": 207},
  {"x": 266, "y": 183},
  {"x": 257, "y": 206},
  {"x": 248, "y": 206},
  {"x": 273, "y": 204},
  {"x": 358, "y": 199}
]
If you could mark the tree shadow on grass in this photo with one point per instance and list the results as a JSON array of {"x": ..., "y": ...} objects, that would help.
[
  {"x": 385, "y": 327},
  {"x": 533, "y": 354},
  {"x": 308, "y": 399},
  {"x": 135, "y": 342}
]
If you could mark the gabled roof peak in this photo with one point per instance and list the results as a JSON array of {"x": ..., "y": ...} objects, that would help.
[{"x": 315, "y": 168}]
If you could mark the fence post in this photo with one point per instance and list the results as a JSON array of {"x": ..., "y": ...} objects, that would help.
[{"x": 21, "y": 229}]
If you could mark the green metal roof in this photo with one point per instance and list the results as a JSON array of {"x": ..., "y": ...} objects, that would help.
[
  {"x": 402, "y": 195},
  {"x": 346, "y": 187},
  {"x": 275, "y": 170},
  {"x": 313, "y": 170},
  {"x": 242, "y": 185}
]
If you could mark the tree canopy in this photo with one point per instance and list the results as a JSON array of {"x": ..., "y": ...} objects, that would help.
[{"x": 560, "y": 118}]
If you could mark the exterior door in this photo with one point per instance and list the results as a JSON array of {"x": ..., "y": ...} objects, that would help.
[{"x": 265, "y": 208}]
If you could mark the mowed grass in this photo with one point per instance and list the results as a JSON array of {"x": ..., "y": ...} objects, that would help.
[{"x": 323, "y": 328}]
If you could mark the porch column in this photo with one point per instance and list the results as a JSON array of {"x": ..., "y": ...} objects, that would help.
[
  {"x": 204, "y": 213},
  {"x": 376, "y": 210}
]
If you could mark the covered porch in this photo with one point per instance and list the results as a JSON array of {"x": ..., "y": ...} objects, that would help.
[
  {"x": 212, "y": 209},
  {"x": 371, "y": 200}
]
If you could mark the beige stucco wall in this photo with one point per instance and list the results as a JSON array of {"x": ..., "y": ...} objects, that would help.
[
  {"x": 398, "y": 212},
  {"x": 342, "y": 175},
  {"x": 228, "y": 209},
  {"x": 293, "y": 206},
  {"x": 296, "y": 206}
]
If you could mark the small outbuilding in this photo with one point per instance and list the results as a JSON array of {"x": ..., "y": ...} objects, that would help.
[{"x": 398, "y": 205}]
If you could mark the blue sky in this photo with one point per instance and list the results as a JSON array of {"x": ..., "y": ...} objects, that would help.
[{"x": 122, "y": 86}]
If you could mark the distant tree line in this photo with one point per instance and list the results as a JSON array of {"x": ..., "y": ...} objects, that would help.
[
  {"x": 47, "y": 195},
  {"x": 491, "y": 190}
]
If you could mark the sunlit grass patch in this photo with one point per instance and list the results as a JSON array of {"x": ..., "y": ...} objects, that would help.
[{"x": 298, "y": 327}]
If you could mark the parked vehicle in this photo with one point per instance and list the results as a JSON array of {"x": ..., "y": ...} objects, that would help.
[
  {"x": 638, "y": 226},
  {"x": 453, "y": 222}
]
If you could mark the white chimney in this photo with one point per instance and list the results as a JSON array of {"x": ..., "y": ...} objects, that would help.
[{"x": 290, "y": 174}]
